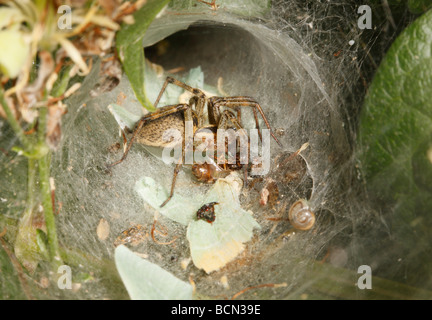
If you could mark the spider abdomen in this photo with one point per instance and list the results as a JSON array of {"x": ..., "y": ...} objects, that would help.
[{"x": 152, "y": 134}]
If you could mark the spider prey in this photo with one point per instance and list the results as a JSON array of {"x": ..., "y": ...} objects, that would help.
[{"x": 150, "y": 128}]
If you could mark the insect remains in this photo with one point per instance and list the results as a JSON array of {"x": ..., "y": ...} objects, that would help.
[
  {"x": 134, "y": 235},
  {"x": 222, "y": 113},
  {"x": 206, "y": 212}
]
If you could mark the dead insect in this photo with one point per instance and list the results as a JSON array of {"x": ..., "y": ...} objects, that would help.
[
  {"x": 134, "y": 235},
  {"x": 150, "y": 128},
  {"x": 206, "y": 212}
]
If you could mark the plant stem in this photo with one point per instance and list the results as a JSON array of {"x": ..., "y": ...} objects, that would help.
[
  {"x": 44, "y": 175},
  {"x": 31, "y": 183},
  {"x": 48, "y": 210},
  {"x": 14, "y": 123},
  {"x": 43, "y": 111}
]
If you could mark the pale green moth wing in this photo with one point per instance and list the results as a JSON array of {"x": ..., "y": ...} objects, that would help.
[
  {"x": 215, "y": 244},
  {"x": 147, "y": 281},
  {"x": 124, "y": 118},
  {"x": 179, "y": 208}
]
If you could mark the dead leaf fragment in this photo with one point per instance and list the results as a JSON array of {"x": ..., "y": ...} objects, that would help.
[{"x": 103, "y": 229}]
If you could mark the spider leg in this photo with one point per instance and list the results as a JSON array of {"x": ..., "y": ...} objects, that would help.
[
  {"x": 229, "y": 120},
  {"x": 183, "y": 85},
  {"x": 160, "y": 113},
  {"x": 228, "y": 117},
  {"x": 198, "y": 100},
  {"x": 257, "y": 126},
  {"x": 176, "y": 171},
  {"x": 199, "y": 104},
  {"x": 216, "y": 114},
  {"x": 240, "y": 101}
]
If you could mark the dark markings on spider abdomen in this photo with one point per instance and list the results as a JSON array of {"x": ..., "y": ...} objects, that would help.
[{"x": 152, "y": 132}]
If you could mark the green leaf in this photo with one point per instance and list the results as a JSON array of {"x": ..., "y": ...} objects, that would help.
[
  {"x": 397, "y": 116},
  {"x": 147, "y": 281},
  {"x": 395, "y": 137},
  {"x": 10, "y": 286},
  {"x": 26, "y": 247},
  {"x": 42, "y": 242},
  {"x": 130, "y": 48}
]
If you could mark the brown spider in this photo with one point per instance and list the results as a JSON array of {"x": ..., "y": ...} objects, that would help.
[{"x": 150, "y": 128}]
